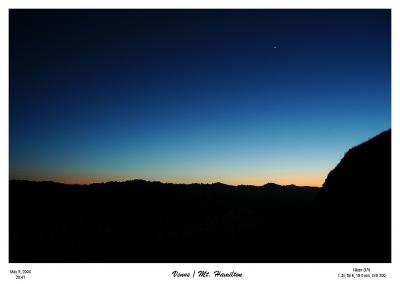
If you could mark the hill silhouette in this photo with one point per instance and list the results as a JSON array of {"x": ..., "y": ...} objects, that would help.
[
  {"x": 142, "y": 221},
  {"x": 354, "y": 206}
]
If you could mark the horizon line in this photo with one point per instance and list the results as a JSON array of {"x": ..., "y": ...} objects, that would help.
[{"x": 158, "y": 181}]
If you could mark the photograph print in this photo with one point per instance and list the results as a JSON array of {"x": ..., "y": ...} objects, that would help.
[{"x": 200, "y": 136}]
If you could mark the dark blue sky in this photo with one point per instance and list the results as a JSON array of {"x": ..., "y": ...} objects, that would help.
[{"x": 237, "y": 96}]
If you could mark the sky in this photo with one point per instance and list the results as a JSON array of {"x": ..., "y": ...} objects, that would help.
[{"x": 233, "y": 96}]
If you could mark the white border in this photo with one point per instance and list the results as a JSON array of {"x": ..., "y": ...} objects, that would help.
[{"x": 161, "y": 273}]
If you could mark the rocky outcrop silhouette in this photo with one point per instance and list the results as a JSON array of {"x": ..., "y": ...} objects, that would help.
[
  {"x": 364, "y": 171},
  {"x": 354, "y": 206}
]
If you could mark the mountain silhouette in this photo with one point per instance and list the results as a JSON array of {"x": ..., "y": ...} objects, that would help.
[{"x": 347, "y": 220}]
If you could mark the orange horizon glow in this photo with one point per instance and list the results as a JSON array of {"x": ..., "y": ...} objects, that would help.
[{"x": 311, "y": 181}]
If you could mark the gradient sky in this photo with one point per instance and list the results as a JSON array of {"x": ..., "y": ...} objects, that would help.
[{"x": 236, "y": 96}]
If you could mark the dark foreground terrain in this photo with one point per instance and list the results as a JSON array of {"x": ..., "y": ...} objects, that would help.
[{"x": 348, "y": 220}]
